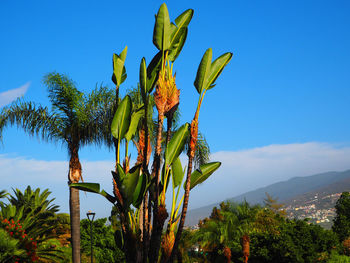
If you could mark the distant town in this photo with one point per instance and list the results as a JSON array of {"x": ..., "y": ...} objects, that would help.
[{"x": 317, "y": 207}]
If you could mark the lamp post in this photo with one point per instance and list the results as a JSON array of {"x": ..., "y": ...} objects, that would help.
[{"x": 91, "y": 216}]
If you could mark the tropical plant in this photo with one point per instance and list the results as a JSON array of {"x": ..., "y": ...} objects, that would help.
[
  {"x": 139, "y": 193},
  {"x": 105, "y": 249},
  {"x": 35, "y": 202},
  {"x": 341, "y": 222},
  {"x": 75, "y": 120},
  {"x": 31, "y": 219},
  {"x": 9, "y": 247}
]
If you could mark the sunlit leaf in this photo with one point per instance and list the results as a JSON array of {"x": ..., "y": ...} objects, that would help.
[{"x": 122, "y": 117}]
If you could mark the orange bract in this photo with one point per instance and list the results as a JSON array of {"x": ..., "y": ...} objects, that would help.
[{"x": 167, "y": 96}]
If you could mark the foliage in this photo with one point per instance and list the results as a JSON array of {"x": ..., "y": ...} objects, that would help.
[
  {"x": 30, "y": 219},
  {"x": 272, "y": 204},
  {"x": 273, "y": 238},
  {"x": 75, "y": 120},
  {"x": 139, "y": 192},
  {"x": 341, "y": 222},
  {"x": 336, "y": 258},
  {"x": 104, "y": 247},
  {"x": 9, "y": 247},
  {"x": 296, "y": 241}
]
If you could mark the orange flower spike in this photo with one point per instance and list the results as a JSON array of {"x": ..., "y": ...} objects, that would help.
[
  {"x": 160, "y": 95},
  {"x": 194, "y": 136},
  {"x": 173, "y": 94},
  {"x": 166, "y": 95}
]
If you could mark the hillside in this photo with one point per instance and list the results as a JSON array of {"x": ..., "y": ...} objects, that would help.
[{"x": 293, "y": 192}]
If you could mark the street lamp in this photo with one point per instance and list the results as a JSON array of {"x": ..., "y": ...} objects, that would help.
[{"x": 91, "y": 216}]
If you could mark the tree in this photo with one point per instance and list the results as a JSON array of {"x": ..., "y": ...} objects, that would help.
[
  {"x": 341, "y": 222},
  {"x": 272, "y": 204},
  {"x": 30, "y": 218},
  {"x": 75, "y": 120},
  {"x": 216, "y": 234},
  {"x": 105, "y": 249},
  {"x": 139, "y": 193}
]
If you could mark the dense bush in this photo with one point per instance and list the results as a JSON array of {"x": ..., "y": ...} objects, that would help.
[{"x": 104, "y": 247}]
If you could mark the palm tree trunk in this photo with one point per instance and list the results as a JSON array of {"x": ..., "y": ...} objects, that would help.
[
  {"x": 74, "y": 204},
  {"x": 74, "y": 208},
  {"x": 245, "y": 248},
  {"x": 227, "y": 254}
]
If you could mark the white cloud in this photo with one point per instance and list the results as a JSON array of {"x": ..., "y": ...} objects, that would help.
[
  {"x": 19, "y": 172},
  {"x": 7, "y": 97},
  {"x": 246, "y": 170},
  {"x": 241, "y": 171}
]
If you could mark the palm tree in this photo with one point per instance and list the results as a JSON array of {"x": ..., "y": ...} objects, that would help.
[
  {"x": 35, "y": 218},
  {"x": 244, "y": 222},
  {"x": 75, "y": 120}
]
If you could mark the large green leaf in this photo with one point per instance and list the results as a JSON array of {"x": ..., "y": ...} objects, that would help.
[
  {"x": 143, "y": 79},
  {"x": 135, "y": 119},
  {"x": 119, "y": 72},
  {"x": 179, "y": 34},
  {"x": 129, "y": 184},
  {"x": 203, "y": 71},
  {"x": 161, "y": 32},
  {"x": 123, "y": 54},
  {"x": 177, "y": 47},
  {"x": 176, "y": 144},
  {"x": 204, "y": 171},
  {"x": 153, "y": 70},
  {"x": 93, "y": 188},
  {"x": 140, "y": 191},
  {"x": 88, "y": 187},
  {"x": 177, "y": 172},
  {"x": 184, "y": 19},
  {"x": 217, "y": 67},
  {"x": 121, "y": 120},
  {"x": 119, "y": 176}
]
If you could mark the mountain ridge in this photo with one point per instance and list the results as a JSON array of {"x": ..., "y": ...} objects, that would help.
[{"x": 283, "y": 191}]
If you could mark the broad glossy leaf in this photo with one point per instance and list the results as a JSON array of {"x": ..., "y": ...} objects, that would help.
[
  {"x": 135, "y": 119},
  {"x": 177, "y": 172},
  {"x": 129, "y": 184},
  {"x": 153, "y": 70},
  {"x": 123, "y": 54},
  {"x": 161, "y": 32},
  {"x": 119, "y": 176},
  {"x": 176, "y": 144},
  {"x": 124, "y": 76},
  {"x": 93, "y": 188},
  {"x": 217, "y": 67},
  {"x": 122, "y": 117},
  {"x": 204, "y": 171},
  {"x": 177, "y": 47},
  {"x": 203, "y": 71},
  {"x": 88, "y": 187},
  {"x": 140, "y": 191},
  {"x": 143, "y": 79},
  {"x": 119, "y": 72},
  {"x": 184, "y": 19},
  {"x": 182, "y": 22}
]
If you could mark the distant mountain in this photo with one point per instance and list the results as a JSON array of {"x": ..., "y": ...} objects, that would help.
[{"x": 294, "y": 188}]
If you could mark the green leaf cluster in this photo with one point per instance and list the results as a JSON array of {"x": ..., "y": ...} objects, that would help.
[
  {"x": 37, "y": 217},
  {"x": 105, "y": 248}
]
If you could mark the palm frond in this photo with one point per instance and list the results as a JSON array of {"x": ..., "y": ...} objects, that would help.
[
  {"x": 95, "y": 115},
  {"x": 34, "y": 119},
  {"x": 64, "y": 96}
]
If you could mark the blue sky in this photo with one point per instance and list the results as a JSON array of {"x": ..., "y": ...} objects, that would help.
[{"x": 284, "y": 95}]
